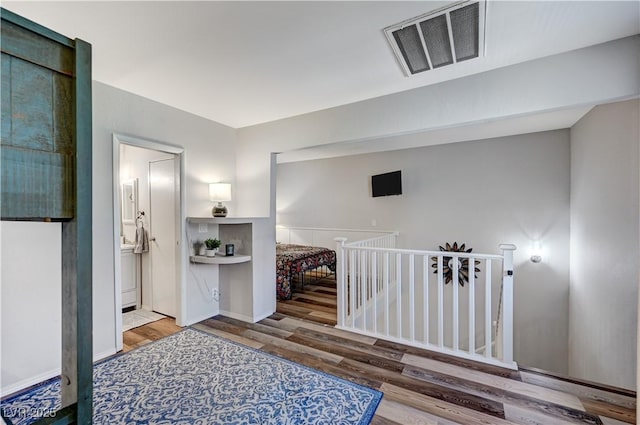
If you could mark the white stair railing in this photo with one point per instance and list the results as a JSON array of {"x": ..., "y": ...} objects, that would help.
[
  {"x": 504, "y": 327},
  {"x": 387, "y": 241},
  {"x": 428, "y": 299}
]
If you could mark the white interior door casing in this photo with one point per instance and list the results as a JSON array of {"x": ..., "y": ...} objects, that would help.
[{"x": 163, "y": 238}]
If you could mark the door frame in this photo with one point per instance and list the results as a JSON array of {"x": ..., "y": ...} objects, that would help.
[{"x": 181, "y": 254}]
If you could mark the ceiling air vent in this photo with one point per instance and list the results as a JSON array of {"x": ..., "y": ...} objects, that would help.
[{"x": 439, "y": 38}]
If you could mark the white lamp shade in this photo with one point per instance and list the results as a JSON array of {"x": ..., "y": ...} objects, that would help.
[{"x": 220, "y": 192}]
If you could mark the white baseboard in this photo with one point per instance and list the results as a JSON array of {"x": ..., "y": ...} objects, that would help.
[
  {"x": 259, "y": 317},
  {"x": 191, "y": 321},
  {"x": 237, "y": 316},
  {"x": 104, "y": 354},
  {"x": 26, "y": 383},
  {"x": 244, "y": 317}
]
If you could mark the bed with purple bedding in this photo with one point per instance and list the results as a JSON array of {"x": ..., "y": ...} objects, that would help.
[{"x": 292, "y": 260}]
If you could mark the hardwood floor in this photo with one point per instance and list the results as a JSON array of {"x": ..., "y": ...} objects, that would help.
[
  {"x": 153, "y": 331},
  {"x": 420, "y": 387},
  {"x": 316, "y": 303}
]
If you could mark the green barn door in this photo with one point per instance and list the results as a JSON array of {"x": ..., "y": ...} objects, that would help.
[{"x": 45, "y": 175}]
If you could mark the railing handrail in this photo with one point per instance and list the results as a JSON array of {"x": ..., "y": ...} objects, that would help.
[
  {"x": 330, "y": 229},
  {"x": 422, "y": 252},
  {"x": 373, "y": 239}
]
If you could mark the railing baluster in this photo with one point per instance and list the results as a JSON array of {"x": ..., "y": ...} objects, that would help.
[
  {"x": 387, "y": 302},
  {"x": 356, "y": 281},
  {"x": 412, "y": 311},
  {"x": 374, "y": 280},
  {"x": 341, "y": 280},
  {"x": 425, "y": 297},
  {"x": 455, "y": 314},
  {"x": 380, "y": 273},
  {"x": 472, "y": 305},
  {"x": 440, "y": 303},
  {"x": 507, "y": 303},
  {"x": 363, "y": 290},
  {"x": 487, "y": 310},
  {"x": 399, "y": 294},
  {"x": 352, "y": 286}
]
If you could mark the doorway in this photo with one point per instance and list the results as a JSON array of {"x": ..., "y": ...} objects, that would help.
[{"x": 147, "y": 249}]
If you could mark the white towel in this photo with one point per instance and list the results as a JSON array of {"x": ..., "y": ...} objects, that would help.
[{"x": 142, "y": 241}]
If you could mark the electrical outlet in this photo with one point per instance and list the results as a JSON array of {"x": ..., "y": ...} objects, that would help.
[
  {"x": 203, "y": 227},
  {"x": 215, "y": 294}
]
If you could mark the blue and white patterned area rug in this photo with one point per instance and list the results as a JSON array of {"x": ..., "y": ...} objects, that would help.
[{"x": 196, "y": 378}]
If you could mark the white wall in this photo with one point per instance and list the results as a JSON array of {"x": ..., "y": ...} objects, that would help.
[
  {"x": 482, "y": 193},
  {"x": 604, "y": 244},
  {"x": 586, "y": 76},
  {"x": 210, "y": 156},
  {"x": 31, "y": 313}
]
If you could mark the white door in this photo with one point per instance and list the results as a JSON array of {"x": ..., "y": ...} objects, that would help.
[{"x": 163, "y": 238}]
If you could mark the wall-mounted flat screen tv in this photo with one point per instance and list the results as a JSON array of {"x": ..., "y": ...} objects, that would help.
[{"x": 386, "y": 184}]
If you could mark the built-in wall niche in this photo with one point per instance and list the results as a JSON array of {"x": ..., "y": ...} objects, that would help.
[
  {"x": 246, "y": 280},
  {"x": 229, "y": 231}
]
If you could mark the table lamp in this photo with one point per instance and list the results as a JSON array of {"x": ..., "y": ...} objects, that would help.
[{"x": 219, "y": 192}]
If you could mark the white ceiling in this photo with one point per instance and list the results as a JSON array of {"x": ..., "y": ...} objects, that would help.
[{"x": 242, "y": 63}]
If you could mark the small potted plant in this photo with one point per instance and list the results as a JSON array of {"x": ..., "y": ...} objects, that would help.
[{"x": 212, "y": 246}]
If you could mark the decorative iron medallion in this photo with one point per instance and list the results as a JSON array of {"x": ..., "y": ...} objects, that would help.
[{"x": 447, "y": 264}]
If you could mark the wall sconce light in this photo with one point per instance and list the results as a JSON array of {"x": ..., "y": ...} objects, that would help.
[
  {"x": 219, "y": 192},
  {"x": 536, "y": 252}
]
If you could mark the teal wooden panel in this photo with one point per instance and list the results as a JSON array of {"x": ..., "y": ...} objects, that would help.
[
  {"x": 31, "y": 106},
  {"x": 63, "y": 115},
  {"x": 38, "y": 121},
  {"x": 36, "y": 184},
  {"x": 5, "y": 98},
  {"x": 84, "y": 217},
  {"x": 35, "y": 48},
  {"x": 27, "y": 24}
]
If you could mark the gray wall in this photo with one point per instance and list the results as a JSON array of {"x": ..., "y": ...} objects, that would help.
[
  {"x": 30, "y": 303},
  {"x": 504, "y": 190},
  {"x": 604, "y": 244},
  {"x": 210, "y": 156},
  {"x": 589, "y": 76},
  {"x": 210, "y": 152}
]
